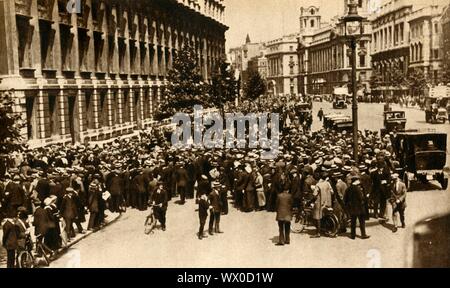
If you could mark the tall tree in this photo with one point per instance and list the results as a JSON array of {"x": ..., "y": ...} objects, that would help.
[
  {"x": 224, "y": 87},
  {"x": 185, "y": 86},
  {"x": 446, "y": 74},
  {"x": 255, "y": 86},
  {"x": 375, "y": 81},
  {"x": 11, "y": 123},
  {"x": 417, "y": 81}
]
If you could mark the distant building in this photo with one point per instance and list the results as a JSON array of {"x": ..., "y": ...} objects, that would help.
[
  {"x": 324, "y": 56},
  {"x": 445, "y": 42},
  {"x": 405, "y": 36},
  {"x": 282, "y": 63},
  {"x": 425, "y": 35},
  {"x": 240, "y": 57}
]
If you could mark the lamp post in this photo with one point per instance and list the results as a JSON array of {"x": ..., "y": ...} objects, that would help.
[{"x": 353, "y": 30}]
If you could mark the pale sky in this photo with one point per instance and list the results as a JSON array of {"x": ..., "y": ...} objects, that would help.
[{"x": 269, "y": 19}]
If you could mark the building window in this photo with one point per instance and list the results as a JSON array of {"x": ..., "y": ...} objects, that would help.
[
  {"x": 436, "y": 28},
  {"x": 362, "y": 60},
  {"x": 436, "y": 53},
  {"x": 291, "y": 48},
  {"x": 312, "y": 23},
  {"x": 401, "y": 33},
  {"x": 53, "y": 111},
  {"x": 89, "y": 110}
]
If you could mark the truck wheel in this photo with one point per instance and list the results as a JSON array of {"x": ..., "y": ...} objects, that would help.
[
  {"x": 444, "y": 184},
  {"x": 442, "y": 180}
]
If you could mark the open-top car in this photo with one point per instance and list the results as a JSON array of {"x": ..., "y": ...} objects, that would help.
[
  {"x": 394, "y": 121},
  {"x": 423, "y": 156}
]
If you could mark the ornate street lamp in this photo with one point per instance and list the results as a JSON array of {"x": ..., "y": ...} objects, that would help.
[{"x": 353, "y": 31}]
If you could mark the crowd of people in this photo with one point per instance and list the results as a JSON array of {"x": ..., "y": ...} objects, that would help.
[{"x": 54, "y": 188}]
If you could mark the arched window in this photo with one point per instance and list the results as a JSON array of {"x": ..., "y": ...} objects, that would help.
[
  {"x": 420, "y": 51},
  {"x": 312, "y": 11}
]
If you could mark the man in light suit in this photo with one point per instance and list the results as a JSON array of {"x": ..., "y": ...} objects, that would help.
[
  {"x": 284, "y": 216},
  {"x": 322, "y": 198},
  {"x": 398, "y": 201}
]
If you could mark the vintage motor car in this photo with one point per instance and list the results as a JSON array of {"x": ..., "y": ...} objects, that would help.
[
  {"x": 394, "y": 121},
  {"x": 340, "y": 101},
  {"x": 327, "y": 119},
  {"x": 435, "y": 103},
  {"x": 338, "y": 122},
  {"x": 317, "y": 98},
  {"x": 423, "y": 156}
]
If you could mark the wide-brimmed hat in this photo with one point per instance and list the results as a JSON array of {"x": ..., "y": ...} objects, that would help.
[{"x": 50, "y": 200}]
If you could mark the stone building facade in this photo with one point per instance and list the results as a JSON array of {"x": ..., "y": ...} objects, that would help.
[
  {"x": 282, "y": 65},
  {"x": 406, "y": 35},
  {"x": 90, "y": 70},
  {"x": 324, "y": 56},
  {"x": 424, "y": 45}
]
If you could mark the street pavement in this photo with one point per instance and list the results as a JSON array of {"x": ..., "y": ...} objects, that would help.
[{"x": 249, "y": 238}]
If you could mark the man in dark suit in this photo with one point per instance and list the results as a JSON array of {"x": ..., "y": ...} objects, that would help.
[
  {"x": 181, "y": 177},
  {"x": 355, "y": 203},
  {"x": 140, "y": 191},
  {"x": 159, "y": 200},
  {"x": 190, "y": 168},
  {"x": 69, "y": 211},
  {"x": 14, "y": 196},
  {"x": 203, "y": 186},
  {"x": 203, "y": 206},
  {"x": 381, "y": 179},
  {"x": 284, "y": 216},
  {"x": 9, "y": 241},
  {"x": 216, "y": 209},
  {"x": 114, "y": 184}
]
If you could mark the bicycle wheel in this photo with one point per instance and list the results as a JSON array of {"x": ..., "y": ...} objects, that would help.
[
  {"x": 25, "y": 260},
  {"x": 150, "y": 225},
  {"x": 330, "y": 225},
  {"x": 299, "y": 223},
  {"x": 44, "y": 254}
]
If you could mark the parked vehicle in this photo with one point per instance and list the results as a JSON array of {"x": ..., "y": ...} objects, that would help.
[
  {"x": 338, "y": 122},
  {"x": 423, "y": 156},
  {"x": 394, "y": 121},
  {"x": 435, "y": 103},
  {"x": 340, "y": 95},
  {"x": 317, "y": 98}
]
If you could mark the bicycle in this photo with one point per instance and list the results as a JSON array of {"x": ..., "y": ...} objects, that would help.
[
  {"x": 150, "y": 222},
  {"x": 303, "y": 218},
  {"x": 27, "y": 259}
]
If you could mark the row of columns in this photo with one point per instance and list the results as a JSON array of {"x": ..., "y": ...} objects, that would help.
[{"x": 74, "y": 114}]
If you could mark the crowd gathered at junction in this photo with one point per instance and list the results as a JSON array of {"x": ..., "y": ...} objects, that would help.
[{"x": 314, "y": 170}]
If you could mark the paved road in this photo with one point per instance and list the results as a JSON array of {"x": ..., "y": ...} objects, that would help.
[{"x": 249, "y": 239}]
